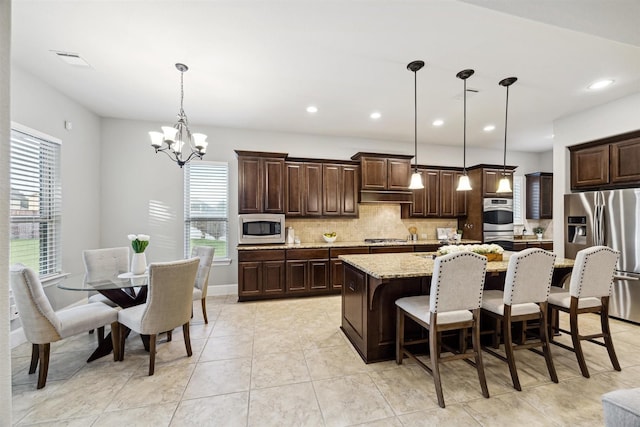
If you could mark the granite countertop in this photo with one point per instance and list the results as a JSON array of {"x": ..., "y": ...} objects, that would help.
[
  {"x": 417, "y": 264},
  {"x": 532, "y": 238},
  {"x": 339, "y": 244}
]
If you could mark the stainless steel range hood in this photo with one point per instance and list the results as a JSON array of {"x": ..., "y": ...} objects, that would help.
[{"x": 385, "y": 196}]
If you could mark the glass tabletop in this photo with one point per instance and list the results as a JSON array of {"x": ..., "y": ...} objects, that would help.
[{"x": 80, "y": 282}]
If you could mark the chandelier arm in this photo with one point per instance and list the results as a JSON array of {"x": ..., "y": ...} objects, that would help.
[
  {"x": 464, "y": 134},
  {"x": 415, "y": 121}
]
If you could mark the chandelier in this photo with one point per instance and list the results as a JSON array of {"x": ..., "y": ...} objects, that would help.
[{"x": 174, "y": 141}]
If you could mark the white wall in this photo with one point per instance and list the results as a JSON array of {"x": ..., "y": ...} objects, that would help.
[
  {"x": 36, "y": 105},
  {"x": 142, "y": 192},
  {"x": 620, "y": 116},
  {"x": 5, "y": 348}
]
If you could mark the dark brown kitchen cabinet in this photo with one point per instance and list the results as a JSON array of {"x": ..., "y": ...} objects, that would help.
[
  {"x": 612, "y": 162},
  {"x": 539, "y": 190},
  {"x": 383, "y": 171},
  {"x": 625, "y": 161},
  {"x": 303, "y": 189},
  {"x": 261, "y": 179},
  {"x": 590, "y": 167},
  {"x": 438, "y": 198},
  {"x": 337, "y": 266},
  {"x": 261, "y": 274},
  {"x": 390, "y": 249},
  {"x": 339, "y": 190},
  {"x": 307, "y": 271},
  {"x": 522, "y": 245},
  {"x": 460, "y": 208},
  {"x": 294, "y": 189},
  {"x": 491, "y": 179}
]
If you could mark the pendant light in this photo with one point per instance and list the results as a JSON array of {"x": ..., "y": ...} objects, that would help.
[
  {"x": 416, "y": 178},
  {"x": 463, "y": 183},
  {"x": 504, "y": 186}
]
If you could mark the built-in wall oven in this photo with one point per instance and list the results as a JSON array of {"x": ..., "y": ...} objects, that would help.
[
  {"x": 261, "y": 229},
  {"x": 497, "y": 218}
]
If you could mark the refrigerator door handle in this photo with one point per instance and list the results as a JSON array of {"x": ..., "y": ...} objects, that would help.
[{"x": 625, "y": 277}]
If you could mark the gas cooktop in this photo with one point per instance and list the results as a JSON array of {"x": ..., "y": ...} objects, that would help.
[{"x": 382, "y": 240}]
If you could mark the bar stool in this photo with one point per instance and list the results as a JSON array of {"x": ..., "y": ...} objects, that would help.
[
  {"x": 589, "y": 290},
  {"x": 453, "y": 304},
  {"x": 524, "y": 298}
]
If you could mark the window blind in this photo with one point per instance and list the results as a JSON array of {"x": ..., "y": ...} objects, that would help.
[
  {"x": 206, "y": 207},
  {"x": 35, "y": 203},
  {"x": 518, "y": 200}
]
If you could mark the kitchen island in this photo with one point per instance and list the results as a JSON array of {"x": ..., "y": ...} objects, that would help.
[{"x": 372, "y": 284}]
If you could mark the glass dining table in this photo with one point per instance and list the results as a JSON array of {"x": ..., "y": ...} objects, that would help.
[{"x": 125, "y": 290}]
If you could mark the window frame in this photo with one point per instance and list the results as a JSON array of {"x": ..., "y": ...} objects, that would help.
[
  {"x": 188, "y": 218},
  {"x": 518, "y": 200},
  {"x": 52, "y": 266}
]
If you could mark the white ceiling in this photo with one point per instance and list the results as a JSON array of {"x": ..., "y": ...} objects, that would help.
[{"x": 258, "y": 64}]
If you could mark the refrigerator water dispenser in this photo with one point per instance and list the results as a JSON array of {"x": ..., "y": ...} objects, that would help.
[{"x": 577, "y": 230}]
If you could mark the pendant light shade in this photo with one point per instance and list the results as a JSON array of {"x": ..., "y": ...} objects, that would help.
[
  {"x": 416, "y": 178},
  {"x": 504, "y": 186},
  {"x": 463, "y": 183}
]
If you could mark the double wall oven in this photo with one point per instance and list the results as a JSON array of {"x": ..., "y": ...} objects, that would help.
[{"x": 497, "y": 218}]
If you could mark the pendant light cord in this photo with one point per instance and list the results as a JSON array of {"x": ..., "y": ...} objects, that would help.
[
  {"x": 415, "y": 121},
  {"x": 506, "y": 112},
  {"x": 464, "y": 133}
]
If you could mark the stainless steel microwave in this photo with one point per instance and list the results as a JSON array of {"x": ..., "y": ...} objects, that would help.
[{"x": 261, "y": 228}]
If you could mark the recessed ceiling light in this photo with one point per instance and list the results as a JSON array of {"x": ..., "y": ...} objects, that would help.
[
  {"x": 312, "y": 109},
  {"x": 488, "y": 128},
  {"x": 71, "y": 58},
  {"x": 438, "y": 122},
  {"x": 375, "y": 115},
  {"x": 600, "y": 84}
]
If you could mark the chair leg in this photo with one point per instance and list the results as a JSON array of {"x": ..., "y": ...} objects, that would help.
[
  {"x": 34, "y": 358},
  {"x": 475, "y": 339},
  {"x": 399, "y": 335},
  {"x": 435, "y": 365},
  {"x": 123, "y": 336},
  {"x": 44, "y": 350},
  {"x": 115, "y": 340},
  {"x": 100, "y": 334},
  {"x": 204, "y": 310},
  {"x": 508, "y": 348},
  {"x": 575, "y": 338},
  {"x": 169, "y": 335},
  {"x": 496, "y": 334},
  {"x": 187, "y": 338},
  {"x": 546, "y": 347},
  {"x": 152, "y": 353},
  {"x": 604, "y": 321}
]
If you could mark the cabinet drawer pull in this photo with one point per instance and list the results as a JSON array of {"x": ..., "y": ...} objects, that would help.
[{"x": 352, "y": 286}]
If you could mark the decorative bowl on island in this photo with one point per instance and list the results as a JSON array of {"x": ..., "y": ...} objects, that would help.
[{"x": 329, "y": 237}]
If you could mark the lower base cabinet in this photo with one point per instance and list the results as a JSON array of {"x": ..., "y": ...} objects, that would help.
[
  {"x": 261, "y": 274},
  {"x": 337, "y": 267},
  {"x": 307, "y": 271},
  {"x": 519, "y": 246}
]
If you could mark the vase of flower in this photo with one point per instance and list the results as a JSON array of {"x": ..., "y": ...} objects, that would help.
[
  {"x": 139, "y": 243},
  {"x": 538, "y": 231},
  {"x": 139, "y": 263}
]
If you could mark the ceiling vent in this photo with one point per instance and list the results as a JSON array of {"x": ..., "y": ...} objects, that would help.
[{"x": 71, "y": 58}]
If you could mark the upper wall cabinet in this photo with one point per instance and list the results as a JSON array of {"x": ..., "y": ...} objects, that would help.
[
  {"x": 612, "y": 162},
  {"x": 384, "y": 171},
  {"x": 490, "y": 179},
  {"x": 339, "y": 189},
  {"x": 261, "y": 179},
  {"x": 539, "y": 195},
  {"x": 438, "y": 198}
]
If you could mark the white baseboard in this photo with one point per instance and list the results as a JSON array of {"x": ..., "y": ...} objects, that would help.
[{"x": 217, "y": 290}]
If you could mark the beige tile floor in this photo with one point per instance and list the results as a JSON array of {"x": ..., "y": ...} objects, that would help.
[{"x": 286, "y": 363}]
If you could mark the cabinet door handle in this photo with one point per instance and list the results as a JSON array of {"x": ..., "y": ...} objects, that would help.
[{"x": 352, "y": 286}]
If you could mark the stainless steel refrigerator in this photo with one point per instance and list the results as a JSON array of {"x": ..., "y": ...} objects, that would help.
[{"x": 610, "y": 218}]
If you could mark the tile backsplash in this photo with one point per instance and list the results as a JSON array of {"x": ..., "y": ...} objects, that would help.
[{"x": 374, "y": 221}]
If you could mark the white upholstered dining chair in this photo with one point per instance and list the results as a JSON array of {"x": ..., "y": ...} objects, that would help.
[
  {"x": 589, "y": 291},
  {"x": 169, "y": 305},
  {"x": 205, "y": 253},
  {"x": 526, "y": 289},
  {"x": 452, "y": 304},
  {"x": 42, "y": 325}
]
